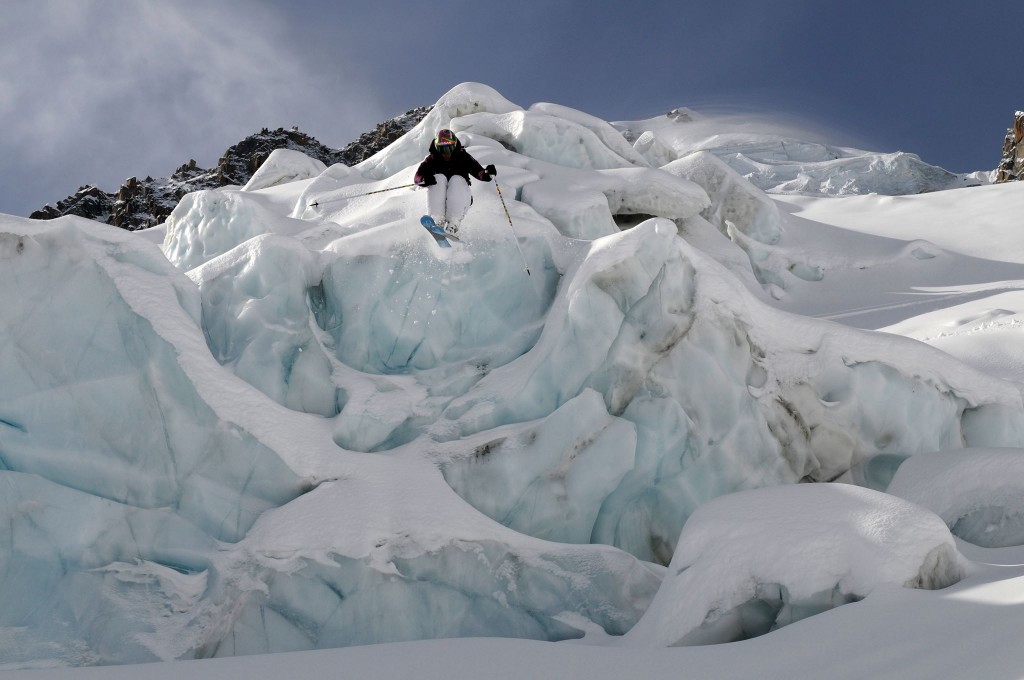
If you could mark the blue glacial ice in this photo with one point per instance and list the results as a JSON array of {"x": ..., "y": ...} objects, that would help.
[{"x": 95, "y": 399}]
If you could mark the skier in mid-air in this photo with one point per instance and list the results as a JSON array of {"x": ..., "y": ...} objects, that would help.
[{"x": 445, "y": 172}]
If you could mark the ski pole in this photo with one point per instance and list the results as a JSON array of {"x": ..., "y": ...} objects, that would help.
[
  {"x": 368, "y": 193},
  {"x": 514, "y": 236}
]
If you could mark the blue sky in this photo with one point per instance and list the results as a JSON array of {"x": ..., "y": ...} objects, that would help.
[{"x": 95, "y": 91}]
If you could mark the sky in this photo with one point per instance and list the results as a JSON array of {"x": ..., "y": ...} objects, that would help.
[{"x": 96, "y": 91}]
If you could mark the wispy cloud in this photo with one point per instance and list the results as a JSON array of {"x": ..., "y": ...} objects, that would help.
[{"x": 121, "y": 88}]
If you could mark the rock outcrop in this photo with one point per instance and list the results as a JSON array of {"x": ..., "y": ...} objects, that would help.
[
  {"x": 89, "y": 201},
  {"x": 1012, "y": 166},
  {"x": 141, "y": 203}
]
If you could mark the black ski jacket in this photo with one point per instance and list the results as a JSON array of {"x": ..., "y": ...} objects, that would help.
[{"x": 460, "y": 163}]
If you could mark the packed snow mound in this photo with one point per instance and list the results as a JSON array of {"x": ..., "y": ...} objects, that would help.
[
  {"x": 209, "y": 223},
  {"x": 733, "y": 200},
  {"x": 751, "y": 562},
  {"x": 605, "y": 131},
  {"x": 462, "y": 100},
  {"x": 545, "y": 137},
  {"x": 283, "y": 166},
  {"x": 979, "y": 493},
  {"x": 587, "y": 204},
  {"x": 371, "y": 570},
  {"x": 783, "y": 158}
]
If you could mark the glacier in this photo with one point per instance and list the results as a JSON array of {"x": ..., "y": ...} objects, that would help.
[
  {"x": 778, "y": 157},
  {"x": 285, "y": 420}
]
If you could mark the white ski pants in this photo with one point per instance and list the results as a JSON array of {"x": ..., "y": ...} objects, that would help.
[{"x": 449, "y": 199}]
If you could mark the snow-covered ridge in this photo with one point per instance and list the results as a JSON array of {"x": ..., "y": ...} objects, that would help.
[
  {"x": 286, "y": 420},
  {"x": 776, "y": 159}
]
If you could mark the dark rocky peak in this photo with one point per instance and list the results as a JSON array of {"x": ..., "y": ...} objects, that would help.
[
  {"x": 138, "y": 204},
  {"x": 1011, "y": 167},
  {"x": 89, "y": 201},
  {"x": 238, "y": 164},
  {"x": 681, "y": 115},
  {"x": 381, "y": 136}
]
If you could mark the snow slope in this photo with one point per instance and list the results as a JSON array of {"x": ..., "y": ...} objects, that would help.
[
  {"x": 286, "y": 421},
  {"x": 783, "y": 158}
]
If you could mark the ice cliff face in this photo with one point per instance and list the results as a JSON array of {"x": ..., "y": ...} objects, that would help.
[{"x": 297, "y": 423}]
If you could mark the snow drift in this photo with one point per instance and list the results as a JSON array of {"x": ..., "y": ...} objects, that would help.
[
  {"x": 977, "y": 492},
  {"x": 752, "y": 562}
]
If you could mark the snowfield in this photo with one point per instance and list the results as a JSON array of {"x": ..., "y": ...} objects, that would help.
[{"x": 753, "y": 389}]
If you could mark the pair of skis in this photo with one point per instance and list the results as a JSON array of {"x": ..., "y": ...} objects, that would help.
[{"x": 439, "y": 234}]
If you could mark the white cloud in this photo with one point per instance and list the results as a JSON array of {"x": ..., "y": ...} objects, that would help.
[{"x": 118, "y": 88}]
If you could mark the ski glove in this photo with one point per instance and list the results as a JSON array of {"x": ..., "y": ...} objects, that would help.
[
  {"x": 491, "y": 170},
  {"x": 427, "y": 181}
]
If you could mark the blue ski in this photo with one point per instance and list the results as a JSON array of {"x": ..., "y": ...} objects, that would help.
[{"x": 437, "y": 232}]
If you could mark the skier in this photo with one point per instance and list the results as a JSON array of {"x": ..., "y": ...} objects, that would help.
[{"x": 445, "y": 172}]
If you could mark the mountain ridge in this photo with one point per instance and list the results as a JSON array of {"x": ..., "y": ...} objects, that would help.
[{"x": 142, "y": 203}]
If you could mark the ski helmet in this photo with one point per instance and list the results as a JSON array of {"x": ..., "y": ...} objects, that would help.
[{"x": 445, "y": 142}]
